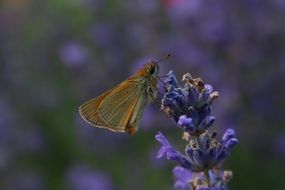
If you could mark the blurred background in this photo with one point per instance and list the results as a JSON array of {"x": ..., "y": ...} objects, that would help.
[{"x": 57, "y": 54}]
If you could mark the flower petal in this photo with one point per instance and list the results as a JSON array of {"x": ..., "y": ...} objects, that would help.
[
  {"x": 206, "y": 123},
  {"x": 183, "y": 177},
  {"x": 231, "y": 143},
  {"x": 230, "y": 133},
  {"x": 171, "y": 79},
  {"x": 186, "y": 123},
  {"x": 165, "y": 144}
]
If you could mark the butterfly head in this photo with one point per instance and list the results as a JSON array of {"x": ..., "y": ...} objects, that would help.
[{"x": 152, "y": 68}]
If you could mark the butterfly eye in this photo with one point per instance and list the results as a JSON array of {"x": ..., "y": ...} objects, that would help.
[{"x": 152, "y": 69}]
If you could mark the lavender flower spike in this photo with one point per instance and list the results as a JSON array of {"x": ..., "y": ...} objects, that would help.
[
  {"x": 165, "y": 144},
  {"x": 183, "y": 177},
  {"x": 172, "y": 154},
  {"x": 190, "y": 107}
]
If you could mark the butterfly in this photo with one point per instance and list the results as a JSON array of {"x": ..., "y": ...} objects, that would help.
[{"x": 120, "y": 109}]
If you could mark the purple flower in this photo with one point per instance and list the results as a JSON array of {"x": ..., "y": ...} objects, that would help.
[
  {"x": 186, "y": 179},
  {"x": 102, "y": 34},
  {"x": 171, "y": 79},
  {"x": 165, "y": 144},
  {"x": 81, "y": 177},
  {"x": 208, "y": 188},
  {"x": 172, "y": 154},
  {"x": 186, "y": 123},
  {"x": 73, "y": 54},
  {"x": 202, "y": 152},
  {"x": 180, "y": 11},
  {"x": 183, "y": 177},
  {"x": 190, "y": 106},
  {"x": 230, "y": 133}
]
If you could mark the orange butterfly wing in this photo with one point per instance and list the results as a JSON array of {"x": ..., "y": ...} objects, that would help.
[{"x": 114, "y": 109}]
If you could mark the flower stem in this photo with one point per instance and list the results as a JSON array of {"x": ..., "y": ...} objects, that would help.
[
  {"x": 197, "y": 142},
  {"x": 206, "y": 173}
]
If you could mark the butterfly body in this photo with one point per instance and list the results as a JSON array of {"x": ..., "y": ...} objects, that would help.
[{"x": 121, "y": 108}]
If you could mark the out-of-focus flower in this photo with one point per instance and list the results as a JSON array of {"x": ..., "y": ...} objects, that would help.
[
  {"x": 80, "y": 177},
  {"x": 103, "y": 35},
  {"x": 73, "y": 54},
  {"x": 182, "y": 10}
]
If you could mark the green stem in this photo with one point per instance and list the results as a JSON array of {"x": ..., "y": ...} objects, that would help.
[
  {"x": 206, "y": 172},
  {"x": 197, "y": 142}
]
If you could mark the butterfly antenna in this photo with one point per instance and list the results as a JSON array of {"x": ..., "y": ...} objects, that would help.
[
  {"x": 162, "y": 81},
  {"x": 158, "y": 61},
  {"x": 162, "y": 59},
  {"x": 163, "y": 76}
]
